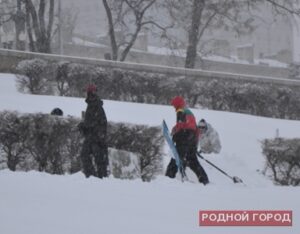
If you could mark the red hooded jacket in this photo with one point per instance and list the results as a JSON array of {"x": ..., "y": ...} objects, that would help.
[{"x": 185, "y": 119}]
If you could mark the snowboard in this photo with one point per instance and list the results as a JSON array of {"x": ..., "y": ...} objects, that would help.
[{"x": 174, "y": 152}]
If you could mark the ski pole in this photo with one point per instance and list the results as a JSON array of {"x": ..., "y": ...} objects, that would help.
[{"x": 234, "y": 178}]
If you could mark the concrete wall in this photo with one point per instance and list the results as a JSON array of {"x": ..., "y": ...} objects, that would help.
[
  {"x": 10, "y": 58},
  {"x": 176, "y": 61}
]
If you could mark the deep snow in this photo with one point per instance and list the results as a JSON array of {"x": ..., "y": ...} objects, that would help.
[{"x": 40, "y": 203}]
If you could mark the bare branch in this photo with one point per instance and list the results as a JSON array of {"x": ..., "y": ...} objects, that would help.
[
  {"x": 163, "y": 28},
  {"x": 51, "y": 19},
  {"x": 283, "y": 7}
]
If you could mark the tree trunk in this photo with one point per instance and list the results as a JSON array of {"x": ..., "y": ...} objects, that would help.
[
  {"x": 193, "y": 38},
  {"x": 36, "y": 21},
  {"x": 29, "y": 30},
  {"x": 19, "y": 19},
  {"x": 111, "y": 31},
  {"x": 130, "y": 44}
]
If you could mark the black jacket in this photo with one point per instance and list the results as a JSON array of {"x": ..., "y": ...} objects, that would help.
[{"x": 94, "y": 126}]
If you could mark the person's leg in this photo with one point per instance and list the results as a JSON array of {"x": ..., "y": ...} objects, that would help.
[
  {"x": 196, "y": 167},
  {"x": 100, "y": 153},
  {"x": 172, "y": 169},
  {"x": 86, "y": 160}
]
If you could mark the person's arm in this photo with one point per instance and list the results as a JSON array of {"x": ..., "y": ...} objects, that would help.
[
  {"x": 185, "y": 121},
  {"x": 181, "y": 119}
]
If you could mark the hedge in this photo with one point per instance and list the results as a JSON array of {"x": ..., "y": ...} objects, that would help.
[
  {"x": 283, "y": 160},
  {"x": 52, "y": 144},
  {"x": 69, "y": 79}
]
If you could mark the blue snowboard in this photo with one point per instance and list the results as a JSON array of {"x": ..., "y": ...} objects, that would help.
[{"x": 175, "y": 154}]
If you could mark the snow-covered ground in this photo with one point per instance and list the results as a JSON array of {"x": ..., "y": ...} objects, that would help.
[{"x": 40, "y": 203}]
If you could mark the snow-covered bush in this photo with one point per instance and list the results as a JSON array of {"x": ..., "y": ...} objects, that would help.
[
  {"x": 124, "y": 164},
  {"x": 214, "y": 95},
  {"x": 263, "y": 99},
  {"x": 253, "y": 99},
  {"x": 38, "y": 142},
  {"x": 78, "y": 77},
  {"x": 294, "y": 71},
  {"x": 34, "y": 76},
  {"x": 142, "y": 140},
  {"x": 12, "y": 139},
  {"x": 283, "y": 160},
  {"x": 61, "y": 78},
  {"x": 52, "y": 144}
]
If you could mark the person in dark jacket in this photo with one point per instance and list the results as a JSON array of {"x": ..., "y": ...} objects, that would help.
[
  {"x": 94, "y": 153},
  {"x": 185, "y": 138}
]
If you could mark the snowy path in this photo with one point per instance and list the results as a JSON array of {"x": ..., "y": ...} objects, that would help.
[{"x": 39, "y": 203}]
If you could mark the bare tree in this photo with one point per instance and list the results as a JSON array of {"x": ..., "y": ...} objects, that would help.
[
  {"x": 200, "y": 16},
  {"x": 128, "y": 18},
  {"x": 19, "y": 19},
  {"x": 11, "y": 12},
  {"x": 36, "y": 25}
]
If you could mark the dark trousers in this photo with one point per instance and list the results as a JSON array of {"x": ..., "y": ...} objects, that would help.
[
  {"x": 94, "y": 159},
  {"x": 187, "y": 154}
]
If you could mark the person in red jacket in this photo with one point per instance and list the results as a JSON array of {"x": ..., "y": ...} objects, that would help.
[{"x": 185, "y": 139}]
